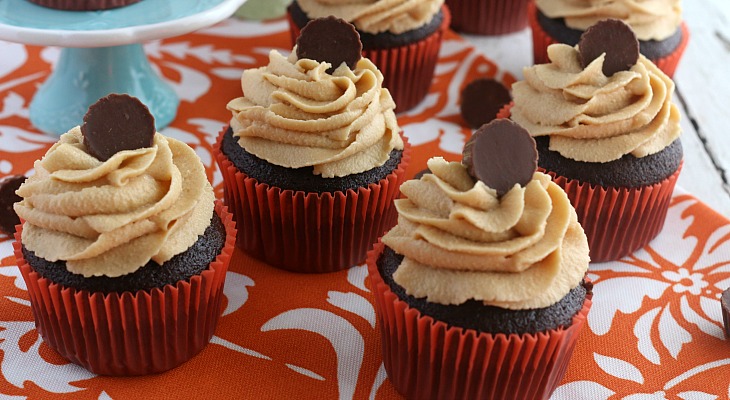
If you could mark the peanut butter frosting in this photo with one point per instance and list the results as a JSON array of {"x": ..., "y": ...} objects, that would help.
[
  {"x": 594, "y": 118},
  {"x": 460, "y": 241},
  {"x": 294, "y": 114},
  {"x": 650, "y": 19},
  {"x": 376, "y": 16},
  {"x": 112, "y": 217}
]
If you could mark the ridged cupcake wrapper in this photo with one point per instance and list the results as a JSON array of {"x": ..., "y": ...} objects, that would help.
[
  {"x": 130, "y": 333},
  {"x": 488, "y": 17},
  {"x": 83, "y": 5},
  {"x": 309, "y": 232},
  {"x": 407, "y": 70},
  {"x": 618, "y": 221},
  {"x": 541, "y": 40},
  {"x": 427, "y": 359},
  {"x": 669, "y": 63}
]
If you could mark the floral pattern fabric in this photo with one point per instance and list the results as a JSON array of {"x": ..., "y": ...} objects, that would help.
[{"x": 654, "y": 332}]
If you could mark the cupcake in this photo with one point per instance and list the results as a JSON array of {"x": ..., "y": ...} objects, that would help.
[
  {"x": 83, "y": 5},
  {"x": 313, "y": 156},
  {"x": 123, "y": 249},
  {"x": 480, "y": 289},
  {"x": 402, "y": 38},
  {"x": 488, "y": 17},
  {"x": 658, "y": 25},
  {"x": 608, "y": 133}
]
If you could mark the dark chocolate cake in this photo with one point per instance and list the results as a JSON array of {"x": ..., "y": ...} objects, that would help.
[
  {"x": 181, "y": 267},
  {"x": 626, "y": 172},
  {"x": 489, "y": 319},
  {"x": 301, "y": 179},
  {"x": 651, "y": 49}
]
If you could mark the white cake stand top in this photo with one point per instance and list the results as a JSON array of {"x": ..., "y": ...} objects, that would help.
[{"x": 25, "y": 22}]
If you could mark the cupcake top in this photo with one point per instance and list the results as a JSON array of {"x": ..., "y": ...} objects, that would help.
[
  {"x": 110, "y": 210},
  {"x": 462, "y": 239},
  {"x": 294, "y": 113},
  {"x": 595, "y": 110},
  {"x": 376, "y": 16},
  {"x": 650, "y": 19}
]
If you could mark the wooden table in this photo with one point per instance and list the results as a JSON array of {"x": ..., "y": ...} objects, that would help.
[{"x": 702, "y": 94}]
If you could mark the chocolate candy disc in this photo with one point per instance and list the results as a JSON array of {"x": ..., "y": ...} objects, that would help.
[
  {"x": 117, "y": 122},
  {"x": 500, "y": 154},
  {"x": 481, "y": 100},
  {"x": 725, "y": 304},
  {"x": 331, "y": 40},
  {"x": 8, "y": 217},
  {"x": 616, "y": 39}
]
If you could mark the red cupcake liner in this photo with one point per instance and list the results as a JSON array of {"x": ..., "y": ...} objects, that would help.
[
  {"x": 309, "y": 232},
  {"x": 617, "y": 221},
  {"x": 427, "y": 359},
  {"x": 488, "y": 17},
  {"x": 541, "y": 40},
  {"x": 130, "y": 333},
  {"x": 407, "y": 70},
  {"x": 83, "y": 5}
]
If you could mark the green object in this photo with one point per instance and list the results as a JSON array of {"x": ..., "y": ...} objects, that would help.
[{"x": 263, "y": 9}]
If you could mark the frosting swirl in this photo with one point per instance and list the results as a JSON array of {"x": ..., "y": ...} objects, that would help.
[
  {"x": 110, "y": 218},
  {"x": 376, "y": 16},
  {"x": 594, "y": 118},
  {"x": 460, "y": 242},
  {"x": 294, "y": 114},
  {"x": 650, "y": 19}
]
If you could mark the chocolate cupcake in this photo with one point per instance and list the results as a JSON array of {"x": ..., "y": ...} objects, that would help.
[
  {"x": 402, "y": 38},
  {"x": 608, "y": 133},
  {"x": 83, "y": 5},
  {"x": 119, "y": 218},
  {"x": 313, "y": 156},
  {"x": 488, "y": 17},
  {"x": 662, "y": 35},
  {"x": 480, "y": 288}
]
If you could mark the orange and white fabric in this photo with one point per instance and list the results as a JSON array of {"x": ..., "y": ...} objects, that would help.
[{"x": 654, "y": 332}]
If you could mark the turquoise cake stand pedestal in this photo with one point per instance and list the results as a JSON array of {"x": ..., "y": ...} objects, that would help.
[{"x": 102, "y": 53}]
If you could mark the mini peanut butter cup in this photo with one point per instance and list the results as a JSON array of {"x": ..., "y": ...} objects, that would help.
[
  {"x": 117, "y": 122},
  {"x": 616, "y": 39},
  {"x": 332, "y": 40},
  {"x": 481, "y": 100},
  {"x": 8, "y": 217},
  {"x": 501, "y": 154}
]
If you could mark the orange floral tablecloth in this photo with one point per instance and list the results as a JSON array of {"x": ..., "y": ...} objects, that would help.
[{"x": 654, "y": 331}]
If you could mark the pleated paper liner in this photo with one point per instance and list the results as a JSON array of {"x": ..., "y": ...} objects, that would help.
[
  {"x": 427, "y": 359},
  {"x": 407, "y": 70},
  {"x": 309, "y": 232},
  {"x": 541, "y": 40},
  {"x": 130, "y": 333},
  {"x": 617, "y": 221},
  {"x": 488, "y": 17}
]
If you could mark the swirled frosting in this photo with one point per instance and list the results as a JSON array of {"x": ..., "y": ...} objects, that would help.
[
  {"x": 650, "y": 19},
  {"x": 112, "y": 217},
  {"x": 594, "y": 118},
  {"x": 376, "y": 16},
  {"x": 294, "y": 114},
  {"x": 461, "y": 242}
]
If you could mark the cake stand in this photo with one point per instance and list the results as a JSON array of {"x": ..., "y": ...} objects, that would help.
[{"x": 102, "y": 53}]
